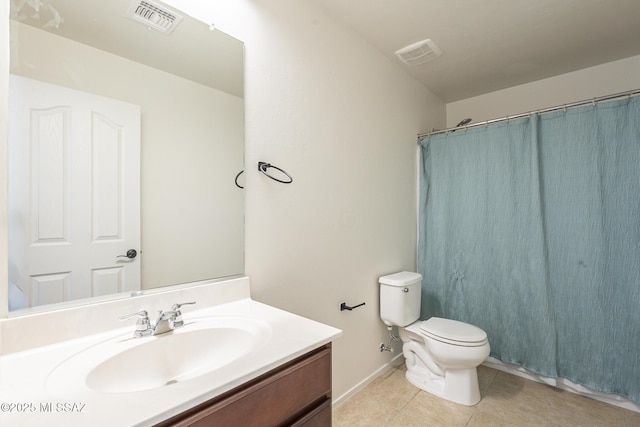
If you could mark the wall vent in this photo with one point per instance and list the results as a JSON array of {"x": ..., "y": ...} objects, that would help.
[
  {"x": 419, "y": 53},
  {"x": 154, "y": 15}
]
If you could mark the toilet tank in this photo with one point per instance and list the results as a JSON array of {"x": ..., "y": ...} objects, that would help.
[{"x": 400, "y": 296}]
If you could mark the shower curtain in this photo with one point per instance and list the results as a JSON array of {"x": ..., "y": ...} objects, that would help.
[{"x": 530, "y": 229}]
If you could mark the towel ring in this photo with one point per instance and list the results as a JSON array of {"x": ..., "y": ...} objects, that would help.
[{"x": 263, "y": 166}]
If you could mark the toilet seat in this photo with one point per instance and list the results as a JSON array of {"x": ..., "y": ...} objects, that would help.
[{"x": 453, "y": 332}]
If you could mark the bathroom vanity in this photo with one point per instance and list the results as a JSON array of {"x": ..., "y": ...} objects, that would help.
[
  {"x": 297, "y": 393},
  {"x": 235, "y": 362}
]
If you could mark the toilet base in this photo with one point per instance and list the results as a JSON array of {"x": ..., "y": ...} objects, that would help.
[{"x": 458, "y": 385}]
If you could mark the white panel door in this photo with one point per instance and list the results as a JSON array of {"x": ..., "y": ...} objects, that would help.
[{"x": 74, "y": 193}]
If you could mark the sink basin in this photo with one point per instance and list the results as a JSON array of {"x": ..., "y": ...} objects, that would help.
[{"x": 125, "y": 364}]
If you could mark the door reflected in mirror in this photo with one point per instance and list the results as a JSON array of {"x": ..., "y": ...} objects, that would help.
[{"x": 121, "y": 137}]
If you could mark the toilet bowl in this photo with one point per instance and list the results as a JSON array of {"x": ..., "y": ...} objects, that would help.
[{"x": 441, "y": 354}]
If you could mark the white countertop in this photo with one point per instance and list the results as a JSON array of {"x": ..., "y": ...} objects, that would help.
[{"x": 26, "y": 400}]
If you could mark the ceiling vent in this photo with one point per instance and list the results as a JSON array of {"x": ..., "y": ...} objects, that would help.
[
  {"x": 154, "y": 15},
  {"x": 419, "y": 53}
]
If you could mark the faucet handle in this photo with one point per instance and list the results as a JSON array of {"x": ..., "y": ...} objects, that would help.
[
  {"x": 142, "y": 314},
  {"x": 178, "y": 322},
  {"x": 176, "y": 306},
  {"x": 143, "y": 327}
]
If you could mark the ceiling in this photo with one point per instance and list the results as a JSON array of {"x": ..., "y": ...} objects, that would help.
[
  {"x": 216, "y": 60},
  {"x": 488, "y": 45}
]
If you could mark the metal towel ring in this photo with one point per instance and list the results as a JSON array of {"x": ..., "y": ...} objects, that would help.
[
  {"x": 263, "y": 166},
  {"x": 236, "y": 180}
]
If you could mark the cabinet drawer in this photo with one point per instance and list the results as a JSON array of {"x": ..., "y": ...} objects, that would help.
[
  {"x": 319, "y": 417},
  {"x": 287, "y": 395}
]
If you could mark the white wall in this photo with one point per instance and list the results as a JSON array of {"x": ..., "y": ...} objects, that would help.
[
  {"x": 588, "y": 83},
  {"x": 342, "y": 120}
]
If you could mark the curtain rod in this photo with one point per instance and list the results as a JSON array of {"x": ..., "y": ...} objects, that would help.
[{"x": 630, "y": 93}]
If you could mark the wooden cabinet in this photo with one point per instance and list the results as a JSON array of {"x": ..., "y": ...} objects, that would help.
[{"x": 298, "y": 393}]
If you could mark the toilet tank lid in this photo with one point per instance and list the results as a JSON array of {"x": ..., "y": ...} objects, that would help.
[{"x": 403, "y": 278}]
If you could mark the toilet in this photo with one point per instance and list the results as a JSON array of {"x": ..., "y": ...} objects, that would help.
[{"x": 441, "y": 354}]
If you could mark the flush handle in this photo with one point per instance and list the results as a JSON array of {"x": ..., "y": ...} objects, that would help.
[{"x": 405, "y": 290}]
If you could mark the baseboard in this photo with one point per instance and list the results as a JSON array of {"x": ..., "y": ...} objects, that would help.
[{"x": 392, "y": 364}]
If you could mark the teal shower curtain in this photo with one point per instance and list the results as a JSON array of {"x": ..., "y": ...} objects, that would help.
[{"x": 530, "y": 229}]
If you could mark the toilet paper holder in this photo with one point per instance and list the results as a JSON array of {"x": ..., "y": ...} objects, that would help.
[{"x": 344, "y": 306}]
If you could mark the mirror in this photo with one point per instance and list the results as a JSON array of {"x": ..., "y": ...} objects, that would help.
[{"x": 126, "y": 131}]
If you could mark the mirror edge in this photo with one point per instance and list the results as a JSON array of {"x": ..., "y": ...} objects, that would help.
[
  {"x": 85, "y": 302},
  {"x": 4, "y": 136}
]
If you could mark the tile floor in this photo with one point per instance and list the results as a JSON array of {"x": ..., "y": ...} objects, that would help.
[{"x": 507, "y": 400}]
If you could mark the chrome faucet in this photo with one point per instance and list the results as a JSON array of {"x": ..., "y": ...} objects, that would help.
[{"x": 167, "y": 321}]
